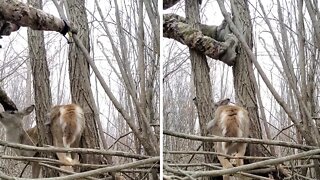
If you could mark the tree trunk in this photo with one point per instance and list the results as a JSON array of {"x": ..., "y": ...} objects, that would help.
[
  {"x": 243, "y": 75},
  {"x": 201, "y": 78},
  {"x": 81, "y": 92},
  {"x": 41, "y": 86}
]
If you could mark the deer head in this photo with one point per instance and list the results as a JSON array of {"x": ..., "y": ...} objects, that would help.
[
  {"x": 12, "y": 119},
  {"x": 229, "y": 121}
]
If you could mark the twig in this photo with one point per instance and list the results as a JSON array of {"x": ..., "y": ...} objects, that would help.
[
  {"x": 246, "y": 174},
  {"x": 119, "y": 142},
  {"x": 304, "y": 177},
  {"x": 37, "y": 159},
  {"x": 180, "y": 172},
  {"x": 194, "y": 154},
  {"x": 122, "y": 136},
  {"x": 193, "y": 164},
  {"x": 283, "y": 129}
]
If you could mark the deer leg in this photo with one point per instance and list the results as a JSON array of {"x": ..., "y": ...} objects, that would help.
[
  {"x": 63, "y": 157},
  {"x": 76, "y": 156},
  {"x": 35, "y": 169},
  {"x": 225, "y": 163},
  {"x": 241, "y": 152}
]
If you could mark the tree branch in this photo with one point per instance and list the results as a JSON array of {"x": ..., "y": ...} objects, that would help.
[
  {"x": 108, "y": 169},
  {"x": 215, "y": 173},
  {"x": 62, "y": 170},
  {"x": 94, "y": 172},
  {"x": 175, "y": 27},
  {"x": 169, "y": 3},
  {"x": 219, "y": 154},
  {"x": 7, "y": 103},
  {"x": 244, "y": 140},
  {"x": 77, "y": 150},
  {"x": 21, "y": 14}
]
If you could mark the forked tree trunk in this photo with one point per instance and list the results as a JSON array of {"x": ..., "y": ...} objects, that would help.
[{"x": 41, "y": 86}]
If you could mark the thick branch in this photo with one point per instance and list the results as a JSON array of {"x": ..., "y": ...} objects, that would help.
[
  {"x": 62, "y": 170},
  {"x": 109, "y": 169},
  {"x": 21, "y": 14},
  {"x": 253, "y": 165},
  {"x": 7, "y": 103},
  {"x": 175, "y": 27},
  {"x": 97, "y": 171},
  {"x": 169, "y": 3},
  {"x": 219, "y": 154},
  {"x": 245, "y": 140},
  {"x": 77, "y": 150}
]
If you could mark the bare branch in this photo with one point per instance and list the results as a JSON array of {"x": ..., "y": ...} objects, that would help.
[
  {"x": 62, "y": 170},
  {"x": 152, "y": 160},
  {"x": 215, "y": 173},
  {"x": 244, "y": 140},
  {"x": 77, "y": 150},
  {"x": 108, "y": 169}
]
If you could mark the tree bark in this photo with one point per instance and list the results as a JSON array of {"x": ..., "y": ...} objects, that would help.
[
  {"x": 81, "y": 92},
  {"x": 169, "y": 3},
  {"x": 41, "y": 87},
  {"x": 204, "y": 39},
  {"x": 21, "y": 14},
  {"x": 201, "y": 78},
  {"x": 153, "y": 14},
  {"x": 243, "y": 74}
]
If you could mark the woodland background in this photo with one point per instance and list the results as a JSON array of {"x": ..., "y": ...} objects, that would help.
[
  {"x": 284, "y": 42},
  {"x": 274, "y": 75},
  {"x": 41, "y": 68}
]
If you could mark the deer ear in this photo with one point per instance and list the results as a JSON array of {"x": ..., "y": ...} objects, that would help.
[
  {"x": 28, "y": 110},
  {"x": 222, "y": 102},
  {"x": 225, "y": 102}
]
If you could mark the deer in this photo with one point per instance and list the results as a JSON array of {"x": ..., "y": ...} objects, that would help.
[
  {"x": 230, "y": 120},
  {"x": 66, "y": 125}
]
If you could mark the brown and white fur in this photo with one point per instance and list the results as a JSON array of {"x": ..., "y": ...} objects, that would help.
[
  {"x": 229, "y": 121},
  {"x": 66, "y": 126}
]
